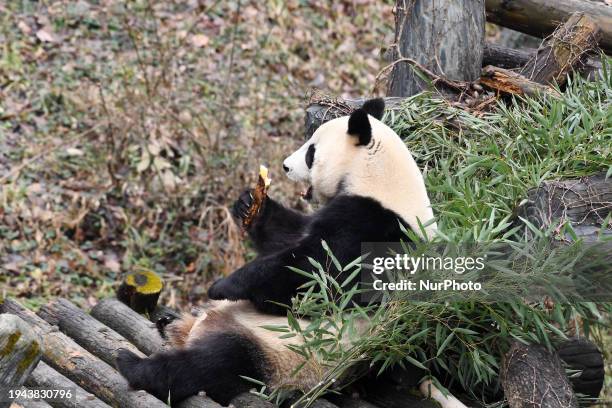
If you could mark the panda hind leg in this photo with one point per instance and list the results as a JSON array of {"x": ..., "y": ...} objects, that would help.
[{"x": 214, "y": 364}]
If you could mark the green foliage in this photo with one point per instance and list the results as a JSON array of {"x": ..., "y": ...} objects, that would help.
[{"x": 478, "y": 168}]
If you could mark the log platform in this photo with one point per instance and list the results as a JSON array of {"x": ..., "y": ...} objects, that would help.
[{"x": 78, "y": 351}]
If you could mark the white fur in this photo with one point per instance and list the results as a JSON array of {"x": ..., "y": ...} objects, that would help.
[
  {"x": 243, "y": 318},
  {"x": 384, "y": 170},
  {"x": 428, "y": 389}
]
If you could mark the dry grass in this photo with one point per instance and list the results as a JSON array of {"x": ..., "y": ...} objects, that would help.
[{"x": 126, "y": 130}]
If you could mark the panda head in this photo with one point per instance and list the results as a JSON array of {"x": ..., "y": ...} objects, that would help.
[{"x": 360, "y": 155}]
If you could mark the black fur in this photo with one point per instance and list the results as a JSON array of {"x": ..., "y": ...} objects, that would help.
[
  {"x": 162, "y": 322},
  {"x": 310, "y": 156},
  {"x": 275, "y": 226},
  {"x": 359, "y": 125},
  {"x": 344, "y": 223},
  {"x": 375, "y": 107},
  {"x": 213, "y": 365}
]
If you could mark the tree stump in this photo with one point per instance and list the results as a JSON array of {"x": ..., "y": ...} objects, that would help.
[
  {"x": 447, "y": 37},
  {"x": 532, "y": 377},
  {"x": 20, "y": 351},
  {"x": 140, "y": 290}
]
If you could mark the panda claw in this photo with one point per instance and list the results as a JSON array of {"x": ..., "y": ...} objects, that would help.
[
  {"x": 241, "y": 206},
  {"x": 161, "y": 324}
]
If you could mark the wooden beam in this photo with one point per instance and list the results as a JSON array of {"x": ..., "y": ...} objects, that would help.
[
  {"x": 541, "y": 17},
  {"x": 446, "y": 37}
]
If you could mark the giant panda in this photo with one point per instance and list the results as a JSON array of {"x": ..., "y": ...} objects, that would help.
[{"x": 367, "y": 187}]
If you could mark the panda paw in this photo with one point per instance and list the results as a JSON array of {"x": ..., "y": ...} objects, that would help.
[
  {"x": 241, "y": 207},
  {"x": 162, "y": 322},
  {"x": 226, "y": 289}
]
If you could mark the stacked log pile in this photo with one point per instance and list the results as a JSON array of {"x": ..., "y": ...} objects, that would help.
[{"x": 77, "y": 351}]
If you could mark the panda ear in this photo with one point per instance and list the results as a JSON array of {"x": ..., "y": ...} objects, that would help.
[
  {"x": 359, "y": 126},
  {"x": 375, "y": 107}
]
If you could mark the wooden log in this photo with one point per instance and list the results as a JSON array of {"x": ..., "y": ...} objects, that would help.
[
  {"x": 20, "y": 352},
  {"x": 46, "y": 377},
  {"x": 134, "y": 327},
  {"x": 25, "y": 403},
  {"x": 95, "y": 337},
  {"x": 348, "y": 402},
  {"x": 248, "y": 400},
  {"x": 141, "y": 290},
  {"x": 321, "y": 110},
  {"x": 532, "y": 377},
  {"x": 199, "y": 401},
  {"x": 567, "y": 48},
  {"x": 583, "y": 202},
  {"x": 541, "y": 17},
  {"x": 392, "y": 396},
  {"x": 505, "y": 57},
  {"x": 509, "y": 58},
  {"x": 510, "y": 83},
  {"x": 142, "y": 334},
  {"x": 94, "y": 375},
  {"x": 446, "y": 37}
]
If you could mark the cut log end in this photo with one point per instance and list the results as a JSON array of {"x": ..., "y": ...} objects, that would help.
[
  {"x": 20, "y": 351},
  {"x": 141, "y": 290},
  {"x": 532, "y": 377}
]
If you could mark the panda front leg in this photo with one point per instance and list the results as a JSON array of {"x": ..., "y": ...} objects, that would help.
[
  {"x": 213, "y": 365},
  {"x": 265, "y": 281},
  {"x": 274, "y": 228}
]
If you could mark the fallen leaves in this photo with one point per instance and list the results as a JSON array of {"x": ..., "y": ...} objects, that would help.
[
  {"x": 45, "y": 35},
  {"x": 200, "y": 40}
]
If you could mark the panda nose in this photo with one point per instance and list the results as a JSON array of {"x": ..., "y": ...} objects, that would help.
[{"x": 285, "y": 168}]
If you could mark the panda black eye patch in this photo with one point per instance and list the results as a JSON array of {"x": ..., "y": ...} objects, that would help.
[{"x": 310, "y": 156}]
